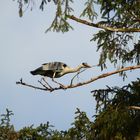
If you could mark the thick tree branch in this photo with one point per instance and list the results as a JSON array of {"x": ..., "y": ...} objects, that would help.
[
  {"x": 79, "y": 84},
  {"x": 104, "y": 75},
  {"x": 134, "y": 107},
  {"x": 98, "y": 25}
]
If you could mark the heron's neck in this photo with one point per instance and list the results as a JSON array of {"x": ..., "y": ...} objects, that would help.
[{"x": 72, "y": 70}]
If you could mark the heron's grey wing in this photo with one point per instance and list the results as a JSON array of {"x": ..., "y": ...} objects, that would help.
[{"x": 54, "y": 66}]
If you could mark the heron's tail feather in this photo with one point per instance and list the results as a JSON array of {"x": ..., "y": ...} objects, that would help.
[
  {"x": 33, "y": 72},
  {"x": 38, "y": 71}
]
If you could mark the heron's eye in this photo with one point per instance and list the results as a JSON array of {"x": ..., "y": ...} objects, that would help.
[
  {"x": 64, "y": 65},
  {"x": 84, "y": 63}
]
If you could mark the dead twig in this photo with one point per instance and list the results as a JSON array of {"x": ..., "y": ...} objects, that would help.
[
  {"x": 81, "y": 72},
  {"x": 29, "y": 85},
  {"x": 76, "y": 75}
]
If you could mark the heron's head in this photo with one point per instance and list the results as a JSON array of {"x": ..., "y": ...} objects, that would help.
[{"x": 85, "y": 65}]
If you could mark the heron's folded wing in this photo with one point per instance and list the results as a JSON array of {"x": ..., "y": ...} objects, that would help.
[{"x": 54, "y": 66}]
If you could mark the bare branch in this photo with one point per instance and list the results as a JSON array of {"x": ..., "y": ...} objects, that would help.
[
  {"x": 46, "y": 83},
  {"x": 104, "y": 75},
  {"x": 43, "y": 85},
  {"x": 29, "y": 85},
  {"x": 134, "y": 107},
  {"x": 79, "y": 84},
  {"x": 45, "y": 88},
  {"x": 99, "y": 25}
]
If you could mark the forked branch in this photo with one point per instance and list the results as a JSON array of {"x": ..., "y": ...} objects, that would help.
[{"x": 79, "y": 84}]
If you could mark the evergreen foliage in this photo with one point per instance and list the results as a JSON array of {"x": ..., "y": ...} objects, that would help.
[{"x": 115, "y": 119}]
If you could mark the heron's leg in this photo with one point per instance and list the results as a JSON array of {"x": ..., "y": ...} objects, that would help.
[{"x": 57, "y": 82}]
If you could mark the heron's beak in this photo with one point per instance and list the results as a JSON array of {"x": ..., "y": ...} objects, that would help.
[{"x": 86, "y": 65}]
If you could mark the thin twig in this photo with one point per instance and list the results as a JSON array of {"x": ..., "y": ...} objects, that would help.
[
  {"x": 76, "y": 75},
  {"x": 47, "y": 83},
  {"x": 43, "y": 85},
  {"x": 29, "y": 85},
  {"x": 81, "y": 72},
  {"x": 36, "y": 87}
]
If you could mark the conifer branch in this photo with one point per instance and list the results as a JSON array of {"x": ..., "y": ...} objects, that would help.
[{"x": 99, "y": 25}]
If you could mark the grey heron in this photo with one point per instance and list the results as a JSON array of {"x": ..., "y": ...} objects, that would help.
[{"x": 57, "y": 69}]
